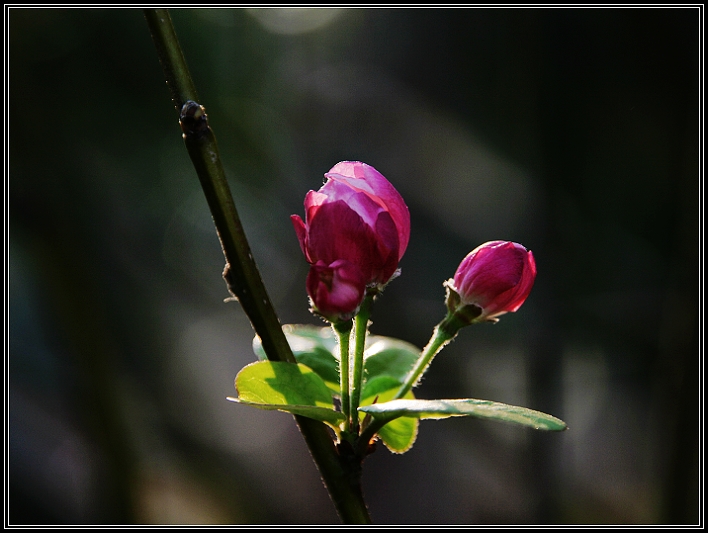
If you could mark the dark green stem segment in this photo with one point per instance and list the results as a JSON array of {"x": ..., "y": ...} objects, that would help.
[
  {"x": 360, "y": 330},
  {"x": 179, "y": 80},
  {"x": 341, "y": 478}
]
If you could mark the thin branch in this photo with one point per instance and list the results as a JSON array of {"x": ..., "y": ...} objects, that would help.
[{"x": 341, "y": 476}]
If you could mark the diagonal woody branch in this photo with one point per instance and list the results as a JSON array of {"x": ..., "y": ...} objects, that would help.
[{"x": 341, "y": 477}]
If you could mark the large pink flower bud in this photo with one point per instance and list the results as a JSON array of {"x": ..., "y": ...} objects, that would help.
[
  {"x": 494, "y": 278},
  {"x": 355, "y": 231}
]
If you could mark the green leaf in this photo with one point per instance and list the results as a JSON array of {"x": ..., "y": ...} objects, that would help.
[
  {"x": 379, "y": 386},
  {"x": 386, "y": 356},
  {"x": 312, "y": 346},
  {"x": 468, "y": 407},
  {"x": 289, "y": 387},
  {"x": 400, "y": 433}
]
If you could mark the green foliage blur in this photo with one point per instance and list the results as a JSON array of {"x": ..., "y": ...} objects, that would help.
[{"x": 571, "y": 131}]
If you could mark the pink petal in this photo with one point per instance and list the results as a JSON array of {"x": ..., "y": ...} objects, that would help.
[
  {"x": 365, "y": 178},
  {"x": 301, "y": 232},
  {"x": 336, "y": 290},
  {"x": 388, "y": 247},
  {"x": 337, "y": 232}
]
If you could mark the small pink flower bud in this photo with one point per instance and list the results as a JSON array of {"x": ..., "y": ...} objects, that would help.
[
  {"x": 494, "y": 278},
  {"x": 355, "y": 231}
]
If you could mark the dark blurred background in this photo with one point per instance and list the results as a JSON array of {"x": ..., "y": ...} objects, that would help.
[{"x": 572, "y": 131}]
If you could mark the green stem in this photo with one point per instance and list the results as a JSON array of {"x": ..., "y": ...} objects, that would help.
[
  {"x": 343, "y": 330},
  {"x": 442, "y": 334},
  {"x": 241, "y": 274},
  {"x": 360, "y": 330}
]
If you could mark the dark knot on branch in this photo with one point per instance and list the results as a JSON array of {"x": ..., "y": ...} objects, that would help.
[{"x": 193, "y": 120}]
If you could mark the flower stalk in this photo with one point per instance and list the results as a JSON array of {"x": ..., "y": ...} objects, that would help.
[
  {"x": 343, "y": 329},
  {"x": 442, "y": 335},
  {"x": 361, "y": 329}
]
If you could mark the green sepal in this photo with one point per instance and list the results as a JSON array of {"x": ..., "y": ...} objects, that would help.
[
  {"x": 294, "y": 388},
  {"x": 435, "y": 409},
  {"x": 399, "y": 434}
]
